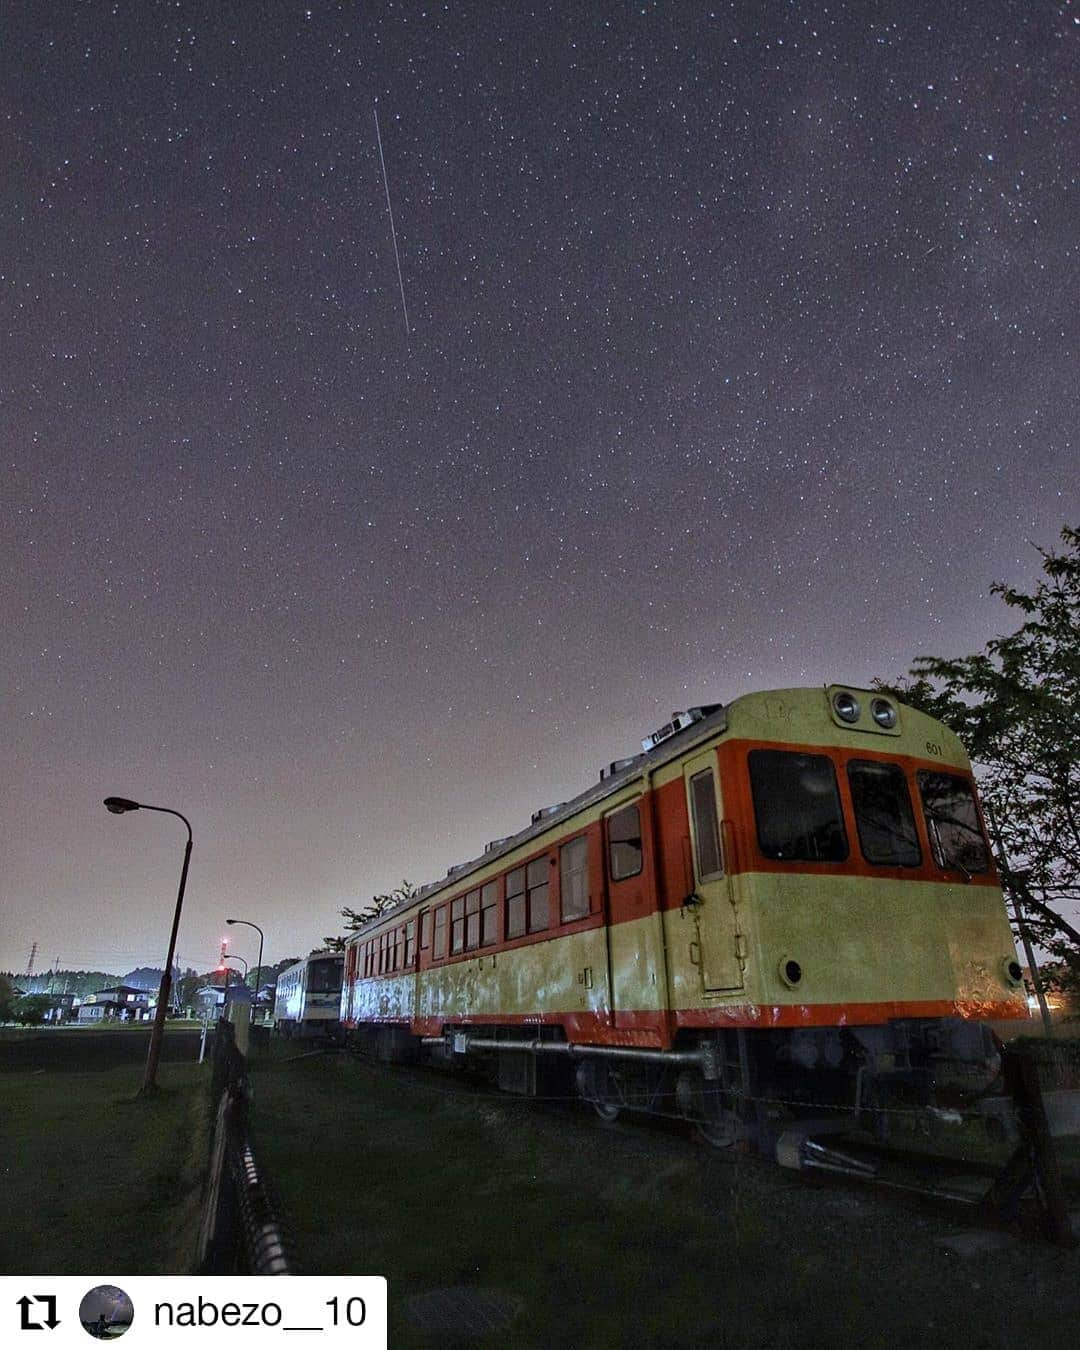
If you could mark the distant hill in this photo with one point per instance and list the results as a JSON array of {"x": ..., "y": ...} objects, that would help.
[{"x": 146, "y": 977}]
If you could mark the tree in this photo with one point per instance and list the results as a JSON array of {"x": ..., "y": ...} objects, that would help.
[
  {"x": 7, "y": 993},
  {"x": 1016, "y": 707},
  {"x": 29, "y": 1009},
  {"x": 377, "y": 905}
]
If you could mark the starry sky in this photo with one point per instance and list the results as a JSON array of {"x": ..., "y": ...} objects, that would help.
[{"x": 741, "y": 352}]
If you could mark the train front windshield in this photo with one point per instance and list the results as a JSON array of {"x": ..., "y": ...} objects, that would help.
[
  {"x": 797, "y": 806},
  {"x": 953, "y": 822},
  {"x": 324, "y": 977}
]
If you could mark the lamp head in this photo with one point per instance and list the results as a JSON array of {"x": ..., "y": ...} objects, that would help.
[
  {"x": 118, "y": 805},
  {"x": 230, "y": 920}
]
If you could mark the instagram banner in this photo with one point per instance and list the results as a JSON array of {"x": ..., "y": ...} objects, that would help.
[{"x": 61, "y": 1312}]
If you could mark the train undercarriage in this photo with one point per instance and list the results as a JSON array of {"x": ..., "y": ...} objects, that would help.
[{"x": 737, "y": 1087}]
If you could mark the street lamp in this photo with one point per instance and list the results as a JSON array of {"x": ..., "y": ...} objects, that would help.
[
  {"x": 118, "y": 805},
  {"x": 230, "y": 956},
  {"x": 258, "y": 969}
]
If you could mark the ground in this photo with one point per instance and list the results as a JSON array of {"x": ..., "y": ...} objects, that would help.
[
  {"x": 93, "y": 1176},
  {"x": 500, "y": 1222},
  {"x": 550, "y": 1229}
]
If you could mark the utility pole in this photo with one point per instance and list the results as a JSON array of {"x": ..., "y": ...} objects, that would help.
[{"x": 30, "y": 966}]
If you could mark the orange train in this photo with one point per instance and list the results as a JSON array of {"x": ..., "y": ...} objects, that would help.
[{"x": 790, "y": 898}]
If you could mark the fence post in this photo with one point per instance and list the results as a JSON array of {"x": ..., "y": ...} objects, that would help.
[{"x": 1034, "y": 1163}]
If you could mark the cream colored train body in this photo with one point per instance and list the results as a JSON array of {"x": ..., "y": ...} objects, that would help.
[{"x": 792, "y": 894}]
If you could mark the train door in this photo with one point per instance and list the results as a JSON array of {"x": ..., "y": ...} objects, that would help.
[
  {"x": 714, "y": 914},
  {"x": 423, "y": 954},
  {"x": 348, "y": 983}
]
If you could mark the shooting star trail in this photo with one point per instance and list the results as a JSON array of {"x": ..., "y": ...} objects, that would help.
[{"x": 390, "y": 213}]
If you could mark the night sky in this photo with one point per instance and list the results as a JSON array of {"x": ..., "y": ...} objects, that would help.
[{"x": 742, "y": 353}]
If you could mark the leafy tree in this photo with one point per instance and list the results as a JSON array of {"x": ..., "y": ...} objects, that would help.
[
  {"x": 29, "y": 1010},
  {"x": 7, "y": 994},
  {"x": 377, "y": 905},
  {"x": 270, "y": 973},
  {"x": 1016, "y": 707}
]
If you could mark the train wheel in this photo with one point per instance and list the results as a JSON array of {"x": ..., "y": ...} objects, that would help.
[
  {"x": 592, "y": 1084},
  {"x": 703, "y": 1104},
  {"x": 721, "y": 1131}
]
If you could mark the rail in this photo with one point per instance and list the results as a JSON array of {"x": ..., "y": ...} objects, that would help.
[{"x": 241, "y": 1231}]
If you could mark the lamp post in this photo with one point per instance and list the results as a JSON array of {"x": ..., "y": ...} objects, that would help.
[
  {"x": 118, "y": 806},
  {"x": 258, "y": 969},
  {"x": 230, "y": 956}
]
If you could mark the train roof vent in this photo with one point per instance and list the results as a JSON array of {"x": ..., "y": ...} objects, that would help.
[
  {"x": 617, "y": 766},
  {"x": 457, "y": 867},
  {"x": 679, "y": 722},
  {"x": 546, "y": 811},
  {"x": 497, "y": 844}
]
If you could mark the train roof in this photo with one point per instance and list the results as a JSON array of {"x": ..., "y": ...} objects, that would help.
[
  {"x": 684, "y": 731},
  {"x": 324, "y": 954},
  {"x": 681, "y": 732}
]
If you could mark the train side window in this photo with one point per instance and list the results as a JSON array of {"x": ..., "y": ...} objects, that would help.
[
  {"x": 883, "y": 814},
  {"x": 457, "y": 924},
  {"x": 439, "y": 949},
  {"x": 515, "y": 903},
  {"x": 472, "y": 920},
  {"x": 425, "y": 929},
  {"x": 574, "y": 879},
  {"x": 624, "y": 842},
  {"x": 797, "y": 806},
  {"x": 538, "y": 881},
  {"x": 952, "y": 822},
  {"x": 410, "y": 942},
  {"x": 710, "y": 862},
  {"x": 489, "y": 903}
]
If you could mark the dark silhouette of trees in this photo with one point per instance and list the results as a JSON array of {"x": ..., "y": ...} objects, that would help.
[{"x": 1016, "y": 707}]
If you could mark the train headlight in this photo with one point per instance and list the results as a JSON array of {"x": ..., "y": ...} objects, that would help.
[
  {"x": 790, "y": 971},
  {"x": 883, "y": 713},
  {"x": 1012, "y": 971},
  {"x": 846, "y": 706}
]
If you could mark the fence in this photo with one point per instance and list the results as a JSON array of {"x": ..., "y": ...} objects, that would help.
[
  {"x": 241, "y": 1231},
  {"x": 1042, "y": 1077}
]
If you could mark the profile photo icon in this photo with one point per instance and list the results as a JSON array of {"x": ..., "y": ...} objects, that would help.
[{"x": 106, "y": 1312}]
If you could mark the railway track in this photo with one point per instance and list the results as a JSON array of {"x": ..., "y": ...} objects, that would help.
[{"x": 1003, "y": 1186}]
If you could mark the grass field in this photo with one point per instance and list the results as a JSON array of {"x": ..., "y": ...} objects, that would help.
[
  {"x": 96, "y": 1180},
  {"x": 479, "y": 1206}
]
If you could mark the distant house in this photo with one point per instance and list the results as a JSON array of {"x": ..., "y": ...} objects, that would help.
[
  {"x": 63, "y": 1008},
  {"x": 121, "y": 1003},
  {"x": 209, "y": 1001}
]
